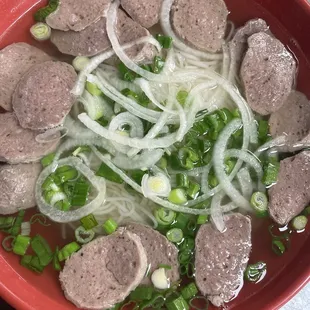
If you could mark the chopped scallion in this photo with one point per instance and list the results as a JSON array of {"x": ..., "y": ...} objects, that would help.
[
  {"x": 299, "y": 222},
  {"x": 188, "y": 244},
  {"x": 158, "y": 64},
  {"x": 164, "y": 216},
  {"x": 177, "y": 303},
  {"x": 80, "y": 193},
  {"x": 110, "y": 226},
  {"x": 42, "y": 249},
  {"x": 42, "y": 13},
  {"x": 189, "y": 291},
  {"x": 193, "y": 190},
  {"x": 259, "y": 202},
  {"x": 142, "y": 293},
  {"x": 202, "y": 219},
  {"x": 6, "y": 222},
  {"x": 40, "y": 218},
  {"x": 177, "y": 196},
  {"x": 181, "y": 221},
  {"x": 271, "y": 171},
  {"x": 21, "y": 244},
  {"x": 125, "y": 73},
  {"x": 167, "y": 267},
  {"x": 56, "y": 263},
  {"x": 68, "y": 250},
  {"x": 89, "y": 222},
  {"x": 175, "y": 235},
  {"x": 84, "y": 236},
  {"x": 278, "y": 247},
  {"x": 181, "y": 97},
  {"x": 107, "y": 173},
  {"x": 93, "y": 89},
  {"x": 164, "y": 41},
  {"x": 255, "y": 272},
  {"x": 5, "y": 241},
  {"x": 40, "y": 31},
  {"x": 15, "y": 229},
  {"x": 47, "y": 160},
  {"x": 182, "y": 180}
]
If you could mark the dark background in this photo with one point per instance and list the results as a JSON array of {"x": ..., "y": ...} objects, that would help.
[{"x": 4, "y": 305}]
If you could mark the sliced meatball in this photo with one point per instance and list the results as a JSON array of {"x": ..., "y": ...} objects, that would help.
[
  {"x": 76, "y": 15},
  {"x": 17, "y": 187},
  {"x": 144, "y": 12},
  {"x": 290, "y": 195},
  {"x": 88, "y": 42},
  {"x": 128, "y": 31},
  {"x": 19, "y": 145},
  {"x": 104, "y": 271},
  {"x": 267, "y": 72},
  {"x": 292, "y": 120},
  {"x": 158, "y": 250},
  {"x": 200, "y": 23},
  {"x": 238, "y": 44},
  {"x": 221, "y": 258},
  {"x": 42, "y": 98},
  {"x": 15, "y": 60}
]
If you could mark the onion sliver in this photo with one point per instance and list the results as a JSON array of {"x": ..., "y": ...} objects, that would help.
[
  {"x": 216, "y": 213},
  {"x": 52, "y": 134},
  {"x": 218, "y": 162},
  {"x": 245, "y": 181},
  {"x": 74, "y": 215},
  {"x": 143, "y": 143}
]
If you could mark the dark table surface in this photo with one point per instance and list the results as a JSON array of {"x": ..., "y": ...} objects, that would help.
[{"x": 4, "y": 305}]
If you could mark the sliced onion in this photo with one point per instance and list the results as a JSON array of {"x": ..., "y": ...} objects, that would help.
[
  {"x": 216, "y": 212},
  {"x": 58, "y": 196},
  {"x": 143, "y": 161},
  {"x": 143, "y": 143},
  {"x": 276, "y": 142},
  {"x": 157, "y": 185},
  {"x": 245, "y": 182},
  {"x": 218, "y": 162},
  {"x": 74, "y": 215},
  {"x": 97, "y": 60},
  {"x": 52, "y": 134},
  {"x": 166, "y": 26},
  {"x": 25, "y": 229}
]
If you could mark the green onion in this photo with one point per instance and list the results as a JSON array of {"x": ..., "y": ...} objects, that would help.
[
  {"x": 188, "y": 157},
  {"x": 47, "y": 160},
  {"x": 185, "y": 257},
  {"x": 125, "y": 73},
  {"x": 278, "y": 247},
  {"x": 158, "y": 64},
  {"x": 102, "y": 121},
  {"x": 190, "y": 270},
  {"x": 4, "y": 243},
  {"x": 81, "y": 149},
  {"x": 36, "y": 218},
  {"x": 42, "y": 249},
  {"x": 110, "y": 226},
  {"x": 263, "y": 130},
  {"x": 198, "y": 300},
  {"x": 271, "y": 171},
  {"x": 164, "y": 41},
  {"x": 202, "y": 219},
  {"x": 178, "y": 303},
  {"x": 193, "y": 190},
  {"x": 175, "y": 235},
  {"x": 63, "y": 205},
  {"x": 84, "y": 236},
  {"x": 229, "y": 165},
  {"x": 167, "y": 267},
  {"x": 299, "y": 222},
  {"x": 201, "y": 128},
  {"x": 80, "y": 193},
  {"x": 89, "y": 221},
  {"x": 68, "y": 250},
  {"x": 80, "y": 62},
  {"x": 255, "y": 273},
  {"x": 259, "y": 203},
  {"x": 142, "y": 99},
  {"x": 225, "y": 115},
  {"x": 6, "y": 222},
  {"x": 32, "y": 263},
  {"x": 182, "y": 180},
  {"x": 189, "y": 291},
  {"x": 157, "y": 302},
  {"x": 212, "y": 179},
  {"x": 56, "y": 263},
  {"x": 42, "y": 13},
  {"x": 107, "y": 173},
  {"x": 177, "y": 196},
  {"x": 21, "y": 244},
  {"x": 306, "y": 211},
  {"x": 66, "y": 173},
  {"x": 216, "y": 125},
  {"x": 181, "y": 97},
  {"x": 183, "y": 269},
  {"x": 15, "y": 229},
  {"x": 142, "y": 293},
  {"x": 188, "y": 244},
  {"x": 164, "y": 216},
  {"x": 93, "y": 89},
  {"x": 50, "y": 185},
  {"x": 181, "y": 221},
  {"x": 162, "y": 163},
  {"x": 40, "y": 31}
]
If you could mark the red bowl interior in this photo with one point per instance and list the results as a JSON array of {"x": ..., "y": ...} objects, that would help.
[{"x": 289, "y": 21}]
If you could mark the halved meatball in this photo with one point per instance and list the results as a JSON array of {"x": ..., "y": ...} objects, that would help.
[
  {"x": 42, "y": 98},
  {"x": 104, "y": 271},
  {"x": 17, "y": 187},
  {"x": 76, "y": 15},
  {"x": 15, "y": 60},
  {"x": 19, "y": 145},
  {"x": 200, "y": 23}
]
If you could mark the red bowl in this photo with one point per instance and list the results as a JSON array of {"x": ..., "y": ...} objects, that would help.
[{"x": 289, "y": 21}]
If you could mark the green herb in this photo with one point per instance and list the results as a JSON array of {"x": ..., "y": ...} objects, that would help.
[
  {"x": 89, "y": 221},
  {"x": 182, "y": 96},
  {"x": 6, "y": 222},
  {"x": 110, "y": 226},
  {"x": 165, "y": 41},
  {"x": 189, "y": 291},
  {"x": 21, "y": 244},
  {"x": 271, "y": 171},
  {"x": 193, "y": 190},
  {"x": 164, "y": 216},
  {"x": 142, "y": 293},
  {"x": 47, "y": 160},
  {"x": 175, "y": 235},
  {"x": 259, "y": 203},
  {"x": 177, "y": 196},
  {"x": 177, "y": 303},
  {"x": 278, "y": 247},
  {"x": 125, "y": 73},
  {"x": 93, "y": 89},
  {"x": 167, "y": 267},
  {"x": 84, "y": 236},
  {"x": 254, "y": 273},
  {"x": 299, "y": 222},
  {"x": 182, "y": 180},
  {"x": 67, "y": 251},
  {"x": 158, "y": 64},
  {"x": 80, "y": 193},
  {"x": 15, "y": 229},
  {"x": 42, "y": 249},
  {"x": 56, "y": 263},
  {"x": 7, "y": 247},
  {"x": 202, "y": 219},
  {"x": 32, "y": 263},
  {"x": 263, "y": 130},
  {"x": 42, "y": 13},
  {"x": 107, "y": 173}
]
